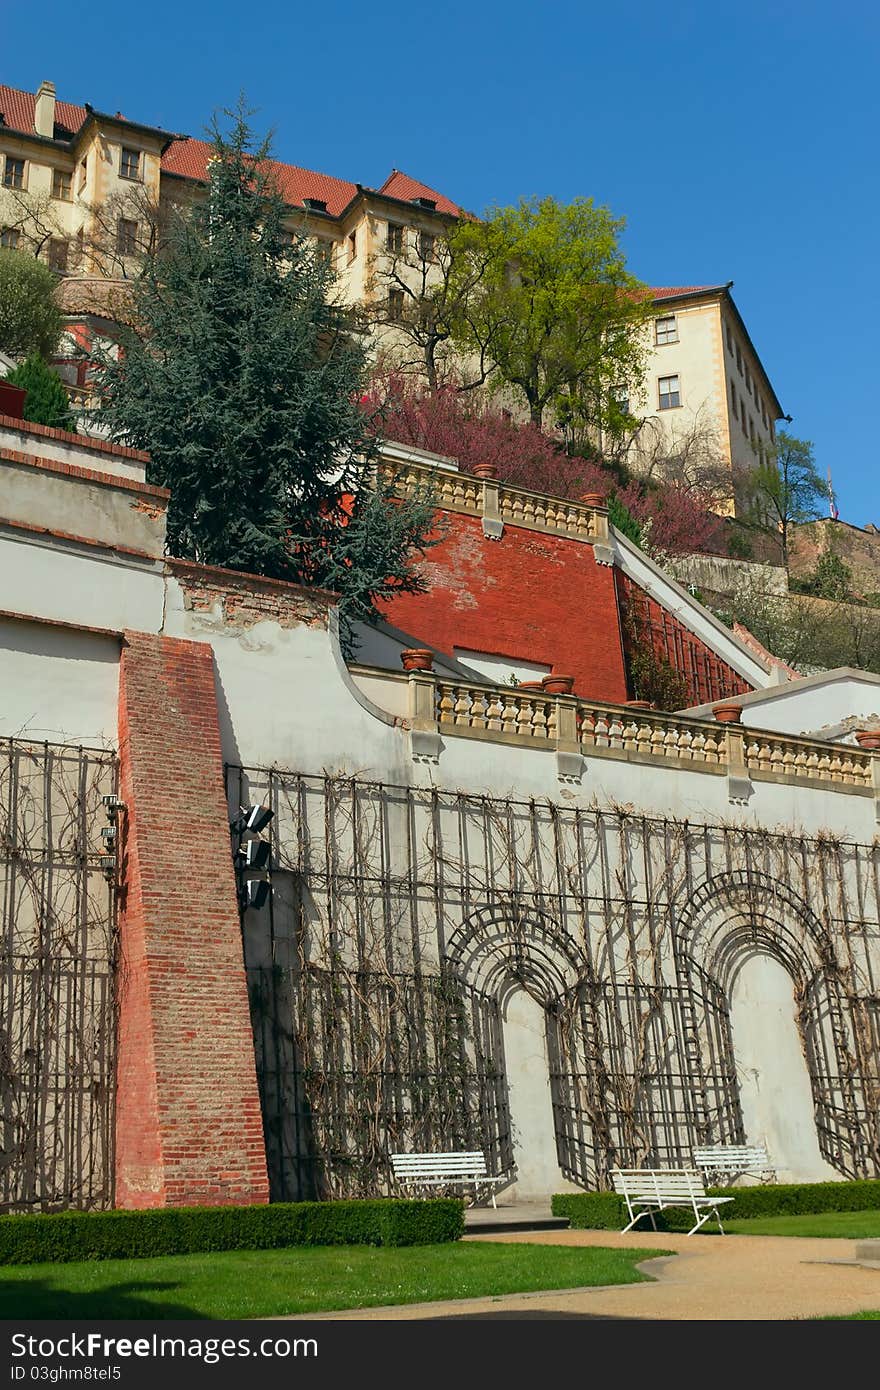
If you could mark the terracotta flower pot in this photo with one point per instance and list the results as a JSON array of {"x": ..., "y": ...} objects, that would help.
[
  {"x": 417, "y": 659},
  {"x": 638, "y": 704},
  {"x": 869, "y": 739},
  {"x": 530, "y": 685},
  {"x": 485, "y": 470},
  {"x": 594, "y": 499},
  {"x": 727, "y": 714},
  {"x": 558, "y": 685}
]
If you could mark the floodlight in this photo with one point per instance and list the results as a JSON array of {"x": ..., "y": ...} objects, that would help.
[
  {"x": 253, "y": 819},
  {"x": 256, "y": 892},
  {"x": 256, "y": 853}
]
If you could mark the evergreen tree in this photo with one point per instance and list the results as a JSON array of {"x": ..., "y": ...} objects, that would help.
[
  {"x": 46, "y": 402},
  {"x": 243, "y": 382}
]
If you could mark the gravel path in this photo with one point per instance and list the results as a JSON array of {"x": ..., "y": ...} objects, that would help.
[{"x": 710, "y": 1278}]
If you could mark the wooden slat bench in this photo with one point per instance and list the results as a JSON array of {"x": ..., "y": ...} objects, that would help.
[
  {"x": 466, "y": 1169},
  {"x": 654, "y": 1189},
  {"x": 730, "y": 1160}
]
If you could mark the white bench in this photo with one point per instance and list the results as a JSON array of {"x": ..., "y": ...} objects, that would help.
[
  {"x": 731, "y": 1160},
  {"x": 654, "y": 1189},
  {"x": 445, "y": 1170}
]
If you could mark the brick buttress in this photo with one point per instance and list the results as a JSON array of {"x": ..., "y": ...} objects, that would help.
[{"x": 188, "y": 1123}]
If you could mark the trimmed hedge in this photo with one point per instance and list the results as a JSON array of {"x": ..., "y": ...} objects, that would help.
[
  {"x": 114, "y": 1235},
  {"x": 605, "y": 1211}
]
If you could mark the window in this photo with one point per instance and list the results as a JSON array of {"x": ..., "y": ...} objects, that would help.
[
  {"x": 352, "y": 246},
  {"x": 57, "y": 254},
  {"x": 748, "y": 381},
  {"x": 83, "y": 172},
  {"x": 62, "y": 185},
  {"x": 670, "y": 392},
  {"x": 739, "y": 360},
  {"x": 9, "y": 238},
  {"x": 324, "y": 250},
  {"x": 764, "y": 414},
  {"x": 394, "y": 240},
  {"x": 742, "y": 413},
  {"x": 126, "y": 236},
  {"x": 733, "y": 396},
  {"x": 665, "y": 330},
  {"x": 130, "y": 164},
  {"x": 426, "y": 246},
  {"x": 752, "y": 431},
  {"x": 620, "y": 396},
  {"x": 13, "y": 174},
  {"x": 395, "y": 304},
  {"x": 729, "y": 339}
]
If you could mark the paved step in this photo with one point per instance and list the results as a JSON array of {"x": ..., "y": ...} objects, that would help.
[{"x": 518, "y": 1216}]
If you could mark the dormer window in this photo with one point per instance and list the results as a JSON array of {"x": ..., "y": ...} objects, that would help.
[
  {"x": 315, "y": 204},
  {"x": 429, "y": 203}
]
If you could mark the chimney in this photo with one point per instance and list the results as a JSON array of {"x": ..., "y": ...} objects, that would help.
[{"x": 44, "y": 110}]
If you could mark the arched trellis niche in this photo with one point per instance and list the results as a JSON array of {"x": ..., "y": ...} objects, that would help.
[
  {"x": 738, "y": 914},
  {"x": 502, "y": 948},
  {"x": 502, "y": 952}
]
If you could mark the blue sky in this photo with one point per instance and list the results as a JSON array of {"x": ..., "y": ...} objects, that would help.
[{"x": 739, "y": 141}]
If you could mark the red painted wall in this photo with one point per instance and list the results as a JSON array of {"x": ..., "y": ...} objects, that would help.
[
  {"x": 529, "y": 595},
  {"x": 188, "y": 1124}
]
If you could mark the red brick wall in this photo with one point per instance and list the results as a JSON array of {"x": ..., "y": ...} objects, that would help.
[
  {"x": 538, "y": 597},
  {"x": 188, "y": 1124},
  {"x": 708, "y": 677}
]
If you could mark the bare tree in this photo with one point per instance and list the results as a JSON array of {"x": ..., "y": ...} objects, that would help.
[
  {"x": 690, "y": 456},
  {"x": 112, "y": 241},
  {"x": 418, "y": 290}
]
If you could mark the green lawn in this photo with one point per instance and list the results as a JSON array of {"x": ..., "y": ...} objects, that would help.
[
  {"x": 304, "y": 1279},
  {"x": 851, "y": 1224}
]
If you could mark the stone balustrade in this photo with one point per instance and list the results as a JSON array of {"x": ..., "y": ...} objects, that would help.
[
  {"x": 500, "y": 504},
  {"x": 437, "y": 707}
]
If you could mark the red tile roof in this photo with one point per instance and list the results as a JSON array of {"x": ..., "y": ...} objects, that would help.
[
  {"x": 189, "y": 158},
  {"x": 18, "y": 110},
  {"x": 676, "y": 291},
  {"x": 399, "y": 185}
]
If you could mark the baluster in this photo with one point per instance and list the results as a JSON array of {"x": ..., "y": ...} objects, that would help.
[
  {"x": 494, "y": 711},
  {"x": 508, "y": 714},
  {"x": 539, "y": 719},
  {"x": 524, "y": 716},
  {"x": 446, "y": 705},
  {"x": 552, "y": 719},
  {"x": 462, "y": 705},
  {"x": 479, "y": 709}
]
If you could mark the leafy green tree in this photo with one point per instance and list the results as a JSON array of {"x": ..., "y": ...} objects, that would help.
[
  {"x": 243, "y": 381},
  {"x": 555, "y": 308},
  {"x": 30, "y": 320},
  {"x": 832, "y": 577},
  {"x": 46, "y": 402},
  {"x": 787, "y": 489},
  {"x": 622, "y": 519}
]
